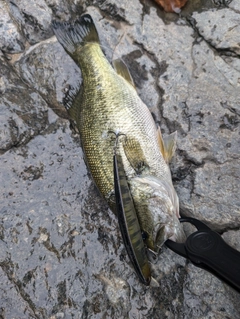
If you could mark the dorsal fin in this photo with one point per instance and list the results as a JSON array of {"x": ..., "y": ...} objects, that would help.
[
  {"x": 122, "y": 70},
  {"x": 167, "y": 144}
]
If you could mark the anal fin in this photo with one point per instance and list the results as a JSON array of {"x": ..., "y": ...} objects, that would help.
[{"x": 167, "y": 144}]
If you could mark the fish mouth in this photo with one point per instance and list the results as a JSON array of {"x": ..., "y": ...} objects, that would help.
[
  {"x": 161, "y": 236},
  {"x": 172, "y": 230}
]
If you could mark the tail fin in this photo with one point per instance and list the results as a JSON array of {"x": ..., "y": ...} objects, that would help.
[{"x": 74, "y": 35}]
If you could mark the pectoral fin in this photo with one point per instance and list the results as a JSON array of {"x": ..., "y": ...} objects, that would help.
[
  {"x": 122, "y": 70},
  {"x": 167, "y": 145},
  {"x": 134, "y": 154}
]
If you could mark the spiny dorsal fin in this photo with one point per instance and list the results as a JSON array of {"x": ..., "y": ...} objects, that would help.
[
  {"x": 167, "y": 144},
  {"x": 73, "y": 35},
  {"x": 122, "y": 70}
]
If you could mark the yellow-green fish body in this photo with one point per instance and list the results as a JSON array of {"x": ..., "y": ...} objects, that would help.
[{"x": 106, "y": 106}]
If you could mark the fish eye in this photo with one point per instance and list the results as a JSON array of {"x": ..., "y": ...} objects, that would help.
[{"x": 144, "y": 235}]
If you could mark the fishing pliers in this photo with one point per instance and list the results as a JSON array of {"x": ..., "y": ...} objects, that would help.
[{"x": 205, "y": 248}]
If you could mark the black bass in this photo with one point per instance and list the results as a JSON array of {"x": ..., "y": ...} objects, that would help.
[{"x": 107, "y": 106}]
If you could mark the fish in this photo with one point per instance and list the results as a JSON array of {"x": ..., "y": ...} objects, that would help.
[
  {"x": 172, "y": 5},
  {"x": 107, "y": 107}
]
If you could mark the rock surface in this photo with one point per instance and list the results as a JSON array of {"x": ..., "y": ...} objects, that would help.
[{"x": 61, "y": 253}]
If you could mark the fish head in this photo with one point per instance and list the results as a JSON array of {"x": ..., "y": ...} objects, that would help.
[{"x": 156, "y": 204}]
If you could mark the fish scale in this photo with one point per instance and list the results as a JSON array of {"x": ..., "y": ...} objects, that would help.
[
  {"x": 119, "y": 111},
  {"x": 108, "y": 105}
]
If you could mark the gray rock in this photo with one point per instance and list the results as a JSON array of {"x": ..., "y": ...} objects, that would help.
[
  {"x": 215, "y": 195},
  {"x": 11, "y": 41},
  {"x": 34, "y": 17},
  {"x": 235, "y": 5},
  {"x": 61, "y": 253},
  {"x": 205, "y": 296},
  {"x": 220, "y": 28},
  {"x": 42, "y": 67},
  {"x": 232, "y": 238},
  {"x": 124, "y": 10},
  {"x": 23, "y": 111}
]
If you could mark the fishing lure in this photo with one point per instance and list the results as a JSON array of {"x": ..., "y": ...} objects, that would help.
[{"x": 129, "y": 225}]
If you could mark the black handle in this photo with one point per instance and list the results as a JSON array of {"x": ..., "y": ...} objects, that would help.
[{"x": 208, "y": 250}]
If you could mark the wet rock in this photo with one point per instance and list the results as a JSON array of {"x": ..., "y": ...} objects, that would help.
[
  {"x": 235, "y": 5},
  {"x": 206, "y": 296},
  {"x": 117, "y": 291},
  {"x": 60, "y": 9},
  {"x": 23, "y": 111},
  {"x": 61, "y": 246},
  {"x": 220, "y": 28},
  {"x": 217, "y": 186},
  {"x": 61, "y": 253},
  {"x": 199, "y": 101},
  {"x": 232, "y": 238},
  {"x": 34, "y": 17},
  {"x": 123, "y": 10},
  {"x": 42, "y": 67},
  {"x": 219, "y": 116},
  {"x": 11, "y": 41}
]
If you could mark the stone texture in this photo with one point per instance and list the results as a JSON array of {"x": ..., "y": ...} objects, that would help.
[
  {"x": 235, "y": 5},
  {"x": 20, "y": 121},
  {"x": 11, "y": 41},
  {"x": 220, "y": 28},
  {"x": 53, "y": 81},
  {"x": 34, "y": 17},
  {"x": 61, "y": 253},
  {"x": 206, "y": 296}
]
